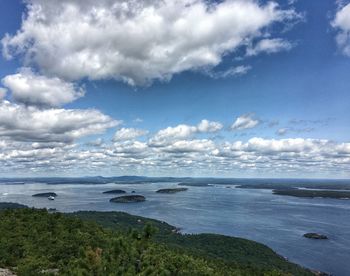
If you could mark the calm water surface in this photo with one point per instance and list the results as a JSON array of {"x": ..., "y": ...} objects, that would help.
[{"x": 277, "y": 221}]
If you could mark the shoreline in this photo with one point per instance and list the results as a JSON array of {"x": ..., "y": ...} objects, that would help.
[{"x": 107, "y": 219}]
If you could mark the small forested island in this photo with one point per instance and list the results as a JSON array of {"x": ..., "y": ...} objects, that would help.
[
  {"x": 314, "y": 193},
  {"x": 265, "y": 186},
  {"x": 128, "y": 199},
  {"x": 315, "y": 236},
  {"x": 116, "y": 243},
  {"x": 190, "y": 184},
  {"x": 171, "y": 190},
  {"x": 114, "y": 192},
  {"x": 45, "y": 194}
]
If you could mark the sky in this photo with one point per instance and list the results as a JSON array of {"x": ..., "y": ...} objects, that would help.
[{"x": 226, "y": 88}]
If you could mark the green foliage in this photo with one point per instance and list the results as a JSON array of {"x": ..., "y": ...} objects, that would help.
[
  {"x": 35, "y": 242},
  {"x": 234, "y": 252}
]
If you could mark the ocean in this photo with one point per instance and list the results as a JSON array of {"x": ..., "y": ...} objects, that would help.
[{"x": 256, "y": 214}]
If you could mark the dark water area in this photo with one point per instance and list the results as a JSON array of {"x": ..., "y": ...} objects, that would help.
[{"x": 256, "y": 214}]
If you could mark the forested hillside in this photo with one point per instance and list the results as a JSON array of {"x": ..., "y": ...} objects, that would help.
[{"x": 35, "y": 242}]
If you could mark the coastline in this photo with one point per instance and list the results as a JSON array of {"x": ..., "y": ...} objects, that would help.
[{"x": 207, "y": 244}]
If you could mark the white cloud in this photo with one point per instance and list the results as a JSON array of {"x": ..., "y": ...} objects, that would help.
[
  {"x": 208, "y": 126},
  {"x": 287, "y": 152},
  {"x": 132, "y": 148},
  {"x": 137, "y": 41},
  {"x": 283, "y": 145},
  {"x": 22, "y": 123},
  {"x": 245, "y": 121},
  {"x": 231, "y": 72},
  {"x": 137, "y": 121},
  {"x": 3, "y": 92},
  {"x": 170, "y": 134},
  {"x": 184, "y": 146},
  {"x": 128, "y": 134},
  {"x": 341, "y": 22},
  {"x": 282, "y": 131},
  {"x": 269, "y": 46},
  {"x": 343, "y": 148},
  {"x": 32, "y": 89}
]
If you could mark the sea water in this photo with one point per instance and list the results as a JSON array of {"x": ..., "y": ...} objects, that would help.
[{"x": 276, "y": 221}]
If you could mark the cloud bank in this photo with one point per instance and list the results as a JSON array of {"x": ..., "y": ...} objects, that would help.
[
  {"x": 139, "y": 41},
  {"x": 295, "y": 157}
]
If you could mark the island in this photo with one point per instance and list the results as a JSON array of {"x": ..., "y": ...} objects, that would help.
[
  {"x": 194, "y": 184},
  {"x": 315, "y": 236},
  {"x": 313, "y": 193},
  {"x": 321, "y": 185},
  {"x": 171, "y": 190},
  {"x": 45, "y": 194},
  {"x": 266, "y": 186},
  {"x": 114, "y": 192},
  {"x": 128, "y": 199}
]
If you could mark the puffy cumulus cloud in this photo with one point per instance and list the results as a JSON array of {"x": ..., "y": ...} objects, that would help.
[
  {"x": 169, "y": 134},
  {"x": 128, "y": 134},
  {"x": 343, "y": 148},
  {"x": 245, "y": 121},
  {"x": 208, "y": 126},
  {"x": 341, "y": 22},
  {"x": 23, "y": 123},
  {"x": 269, "y": 46},
  {"x": 32, "y": 89},
  {"x": 137, "y": 41}
]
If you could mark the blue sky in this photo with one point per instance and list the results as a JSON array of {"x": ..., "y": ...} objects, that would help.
[{"x": 287, "y": 100}]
